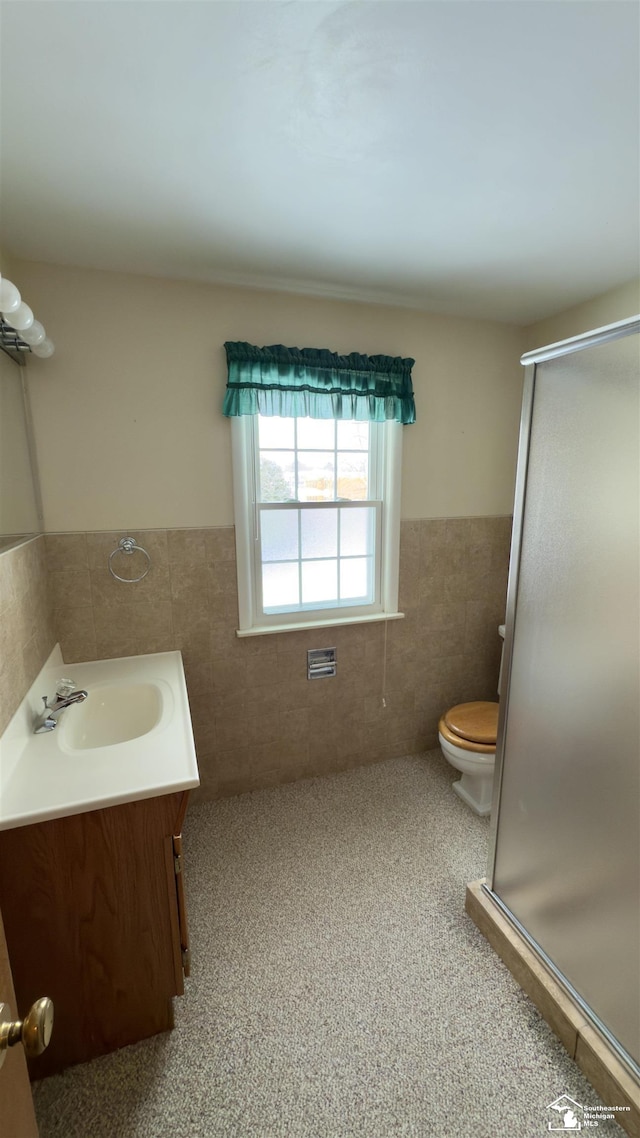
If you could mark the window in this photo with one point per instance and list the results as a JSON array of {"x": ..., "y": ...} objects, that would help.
[
  {"x": 316, "y": 468},
  {"x": 316, "y": 520}
]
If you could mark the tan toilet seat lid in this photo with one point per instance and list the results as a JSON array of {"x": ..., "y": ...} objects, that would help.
[{"x": 477, "y": 722}]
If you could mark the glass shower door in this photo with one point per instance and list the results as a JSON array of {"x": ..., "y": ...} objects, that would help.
[{"x": 567, "y": 857}]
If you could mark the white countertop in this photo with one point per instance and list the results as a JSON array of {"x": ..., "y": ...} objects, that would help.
[{"x": 43, "y": 777}]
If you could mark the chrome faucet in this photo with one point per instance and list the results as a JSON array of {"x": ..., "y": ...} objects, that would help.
[{"x": 66, "y": 694}]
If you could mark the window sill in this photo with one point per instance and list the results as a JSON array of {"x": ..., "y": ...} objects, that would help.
[{"x": 334, "y": 622}]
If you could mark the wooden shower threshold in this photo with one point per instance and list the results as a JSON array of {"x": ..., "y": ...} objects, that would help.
[{"x": 608, "y": 1075}]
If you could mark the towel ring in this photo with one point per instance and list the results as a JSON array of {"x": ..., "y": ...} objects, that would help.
[{"x": 128, "y": 545}]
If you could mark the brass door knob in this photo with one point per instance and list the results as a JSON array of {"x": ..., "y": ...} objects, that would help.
[{"x": 34, "y": 1031}]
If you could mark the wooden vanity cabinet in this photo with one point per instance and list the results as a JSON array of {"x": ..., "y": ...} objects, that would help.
[{"x": 94, "y": 916}]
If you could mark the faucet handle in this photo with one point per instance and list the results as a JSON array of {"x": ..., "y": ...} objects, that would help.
[{"x": 64, "y": 688}]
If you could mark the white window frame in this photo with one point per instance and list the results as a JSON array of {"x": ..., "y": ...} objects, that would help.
[{"x": 253, "y": 622}]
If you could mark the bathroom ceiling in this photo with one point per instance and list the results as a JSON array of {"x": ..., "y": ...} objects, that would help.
[{"x": 478, "y": 158}]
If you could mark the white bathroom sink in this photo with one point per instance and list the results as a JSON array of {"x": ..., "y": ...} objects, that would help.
[
  {"x": 131, "y": 738},
  {"x": 112, "y": 713}
]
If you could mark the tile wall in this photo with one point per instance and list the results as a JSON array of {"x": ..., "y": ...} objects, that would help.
[
  {"x": 27, "y": 633},
  {"x": 257, "y": 719}
]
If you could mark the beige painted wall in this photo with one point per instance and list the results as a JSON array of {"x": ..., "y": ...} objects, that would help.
[
  {"x": 605, "y": 309},
  {"x": 127, "y": 413},
  {"x": 7, "y": 265}
]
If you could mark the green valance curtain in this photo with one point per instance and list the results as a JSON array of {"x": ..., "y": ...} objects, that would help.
[{"x": 317, "y": 384}]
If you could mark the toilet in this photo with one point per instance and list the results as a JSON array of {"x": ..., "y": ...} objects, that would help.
[{"x": 467, "y": 734}]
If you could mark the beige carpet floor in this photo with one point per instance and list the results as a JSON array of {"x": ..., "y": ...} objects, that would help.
[{"x": 338, "y": 989}]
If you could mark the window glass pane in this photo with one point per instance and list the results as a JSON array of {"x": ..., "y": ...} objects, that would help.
[
  {"x": 274, "y": 432},
  {"x": 353, "y": 475},
  {"x": 277, "y": 476},
  {"x": 319, "y": 533},
  {"x": 352, "y": 436},
  {"x": 316, "y": 476},
  {"x": 296, "y": 465},
  {"x": 280, "y": 585},
  {"x": 279, "y": 534},
  {"x": 318, "y": 434},
  {"x": 357, "y": 532},
  {"x": 355, "y": 577},
  {"x": 319, "y": 581}
]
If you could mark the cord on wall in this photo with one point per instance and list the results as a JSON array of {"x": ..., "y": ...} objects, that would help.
[{"x": 384, "y": 665}]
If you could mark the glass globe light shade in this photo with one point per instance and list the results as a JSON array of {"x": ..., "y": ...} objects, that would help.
[
  {"x": 9, "y": 296},
  {"x": 45, "y": 349},
  {"x": 33, "y": 335},
  {"x": 21, "y": 319}
]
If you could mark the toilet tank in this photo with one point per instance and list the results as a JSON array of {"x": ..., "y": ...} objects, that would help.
[{"x": 501, "y": 633}]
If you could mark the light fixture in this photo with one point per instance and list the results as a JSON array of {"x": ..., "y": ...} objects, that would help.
[
  {"x": 9, "y": 296},
  {"x": 20, "y": 333},
  {"x": 21, "y": 319},
  {"x": 45, "y": 349},
  {"x": 33, "y": 335}
]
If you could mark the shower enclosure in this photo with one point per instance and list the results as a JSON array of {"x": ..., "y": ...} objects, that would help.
[{"x": 565, "y": 861}]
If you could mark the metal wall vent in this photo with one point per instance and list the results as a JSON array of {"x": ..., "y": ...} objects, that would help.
[{"x": 321, "y": 662}]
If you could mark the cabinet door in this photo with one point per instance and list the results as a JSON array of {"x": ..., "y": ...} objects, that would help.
[{"x": 90, "y": 922}]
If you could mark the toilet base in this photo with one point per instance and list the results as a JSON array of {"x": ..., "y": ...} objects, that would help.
[{"x": 476, "y": 791}]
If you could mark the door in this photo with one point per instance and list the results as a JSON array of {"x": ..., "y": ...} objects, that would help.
[
  {"x": 17, "y": 1116},
  {"x": 568, "y": 828}
]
